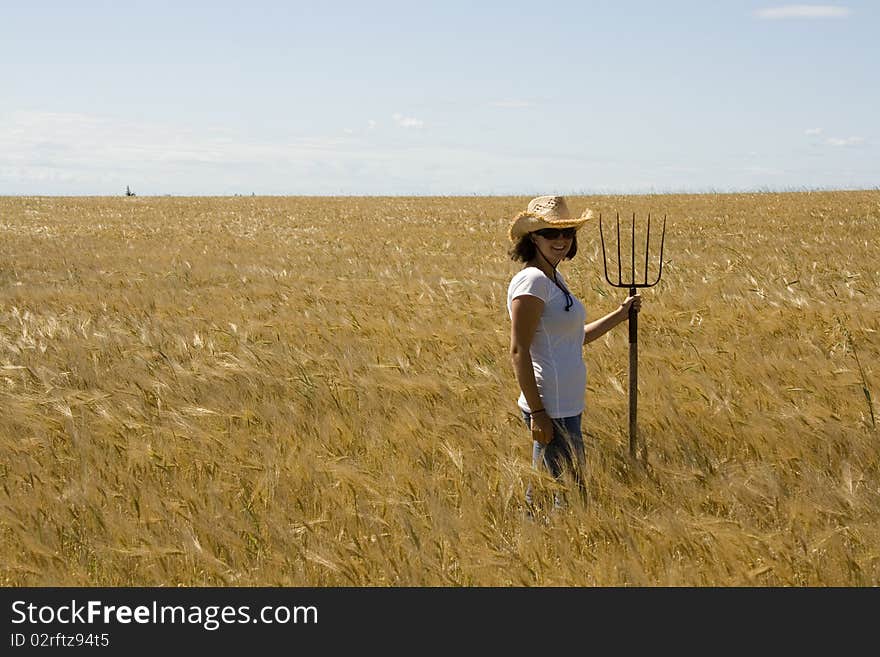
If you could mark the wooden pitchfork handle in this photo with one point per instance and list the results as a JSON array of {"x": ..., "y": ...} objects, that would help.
[{"x": 633, "y": 374}]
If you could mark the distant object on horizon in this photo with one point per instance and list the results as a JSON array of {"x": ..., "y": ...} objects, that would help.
[{"x": 128, "y": 191}]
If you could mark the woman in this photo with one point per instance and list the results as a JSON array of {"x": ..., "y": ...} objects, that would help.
[{"x": 548, "y": 331}]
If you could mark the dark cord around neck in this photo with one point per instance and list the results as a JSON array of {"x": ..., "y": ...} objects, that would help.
[{"x": 569, "y": 301}]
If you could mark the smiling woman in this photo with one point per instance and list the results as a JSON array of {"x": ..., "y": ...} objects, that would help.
[{"x": 548, "y": 331}]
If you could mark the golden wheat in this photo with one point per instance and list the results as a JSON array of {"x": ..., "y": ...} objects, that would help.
[{"x": 317, "y": 391}]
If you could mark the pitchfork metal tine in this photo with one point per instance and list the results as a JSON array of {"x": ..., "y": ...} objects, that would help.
[
  {"x": 633, "y": 255},
  {"x": 619, "y": 274},
  {"x": 662, "y": 240},
  {"x": 647, "y": 248}
]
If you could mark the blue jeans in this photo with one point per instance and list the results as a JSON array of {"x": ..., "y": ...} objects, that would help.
[{"x": 563, "y": 454}]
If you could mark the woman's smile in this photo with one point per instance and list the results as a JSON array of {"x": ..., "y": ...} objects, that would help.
[{"x": 560, "y": 248}]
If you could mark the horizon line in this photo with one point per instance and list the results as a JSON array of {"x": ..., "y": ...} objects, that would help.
[{"x": 703, "y": 192}]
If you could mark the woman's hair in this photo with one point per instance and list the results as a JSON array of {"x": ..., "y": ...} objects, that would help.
[{"x": 525, "y": 249}]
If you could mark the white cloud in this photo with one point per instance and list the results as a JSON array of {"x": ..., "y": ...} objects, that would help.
[
  {"x": 846, "y": 141},
  {"x": 407, "y": 121},
  {"x": 834, "y": 141},
  {"x": 802, "y": 11},
  {"x": 763, "y": 171},
  {"x": 512, "y": 104},
  {"x": 50, "y": 149},
  {"x": 79, "y": 139},
  {"x": 66, "y": 153},
  {"x": 371, "y": 124}
]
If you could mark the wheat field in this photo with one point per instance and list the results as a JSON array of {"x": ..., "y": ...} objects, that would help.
[{"x": 248, "y": 391}]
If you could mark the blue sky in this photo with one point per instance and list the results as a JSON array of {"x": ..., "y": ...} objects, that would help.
[{"x": 446, "y": 98}]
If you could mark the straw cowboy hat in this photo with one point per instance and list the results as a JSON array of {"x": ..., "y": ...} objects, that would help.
[{"x": 546, "y": 212}]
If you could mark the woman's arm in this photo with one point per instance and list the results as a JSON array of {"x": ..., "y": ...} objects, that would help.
[
  {"x": 525, "y": 314},
  {"x": 600, "y": 327}
]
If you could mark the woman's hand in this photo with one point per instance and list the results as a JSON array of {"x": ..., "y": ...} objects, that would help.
[
  {"x": 634, "y": 301},
  {"x": 542, "y": 428}
]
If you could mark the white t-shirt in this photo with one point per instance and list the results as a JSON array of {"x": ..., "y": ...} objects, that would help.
[{"x": 557, "y": 348}]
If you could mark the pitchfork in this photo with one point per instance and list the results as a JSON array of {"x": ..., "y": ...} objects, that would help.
[{"x": 633, "y": 315}]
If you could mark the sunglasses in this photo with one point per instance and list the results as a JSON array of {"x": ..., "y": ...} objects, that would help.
[{"x": 556, "y": 233}]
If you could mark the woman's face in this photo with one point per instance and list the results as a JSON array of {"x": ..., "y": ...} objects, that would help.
[{"x": 554, "y": 243}]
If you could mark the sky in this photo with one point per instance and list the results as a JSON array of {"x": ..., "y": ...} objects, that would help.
[{"x": 437, "y": 98}]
